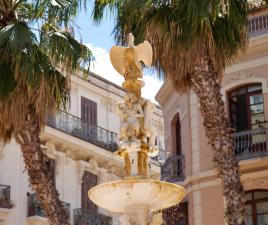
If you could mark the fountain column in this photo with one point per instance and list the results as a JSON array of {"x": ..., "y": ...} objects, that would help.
[{"x": 137, "y": 196}]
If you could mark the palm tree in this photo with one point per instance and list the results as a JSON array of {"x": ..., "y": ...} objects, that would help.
[
  {"x": 192, "y": 41},
  {"x": 37, "y": 52}
]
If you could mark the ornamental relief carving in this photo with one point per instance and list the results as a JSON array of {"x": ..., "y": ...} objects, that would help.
[
  {"x": 255, "y": 183},
  {"x": 90, "y": 166},
  {"x": 240, "y": 76}
]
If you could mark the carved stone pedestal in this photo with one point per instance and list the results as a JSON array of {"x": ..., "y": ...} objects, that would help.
[{"x": 137, "y": 214}]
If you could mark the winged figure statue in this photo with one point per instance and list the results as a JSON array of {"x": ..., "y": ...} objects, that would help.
[{"x": 127, "y": 61}]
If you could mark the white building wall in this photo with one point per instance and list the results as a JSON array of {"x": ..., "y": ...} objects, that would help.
[{"x": 69, "y": 167}]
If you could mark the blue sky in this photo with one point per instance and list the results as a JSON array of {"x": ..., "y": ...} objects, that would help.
[
  {"x": 101, "y": 35},
  {"x": 100, "y": 39}
]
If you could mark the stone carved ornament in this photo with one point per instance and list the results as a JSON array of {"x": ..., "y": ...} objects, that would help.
[
  {"x": 130, "y": 112},
  {"x": 240, "y": 76},
  {"x": 126, "y": 60},
  {"x": 136, "y": 121},
  {"x": 252, "y": 183}
]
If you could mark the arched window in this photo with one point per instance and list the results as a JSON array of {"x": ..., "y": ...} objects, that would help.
[
  {"x": 257, "y": 207},
  {"x": 176, "y": 135},
  {"x": 246, "y": 108}
]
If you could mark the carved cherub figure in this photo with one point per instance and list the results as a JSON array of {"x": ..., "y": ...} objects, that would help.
[
  {"x": 130, "y": 112},
  {"x": 149, "y": 131}
]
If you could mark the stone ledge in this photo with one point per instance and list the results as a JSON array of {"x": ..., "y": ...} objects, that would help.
[
  {"x": 3, "y": 215},
  {"x": 37, "y": 220}
]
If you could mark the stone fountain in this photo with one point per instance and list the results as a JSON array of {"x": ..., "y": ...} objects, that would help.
[{"x": 137, "y": 196}]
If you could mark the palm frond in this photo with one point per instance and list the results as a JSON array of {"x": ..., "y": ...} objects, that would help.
[
  {"x": 65, "y": 51},
  {"x": 181, "y": 31},
  {"x": 31, "y": 68}
]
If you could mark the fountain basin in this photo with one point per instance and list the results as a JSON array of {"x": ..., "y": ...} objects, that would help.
[{"x": 119, "y": 196}]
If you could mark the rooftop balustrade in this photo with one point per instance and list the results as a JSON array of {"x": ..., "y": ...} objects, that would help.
[{"x": 258, "y": 25}]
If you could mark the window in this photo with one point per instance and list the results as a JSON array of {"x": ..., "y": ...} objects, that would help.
[
  {"x": 257, "y": 207},
  {"x": 89, "y": 118},
  {"x": 89, "y": 180},
  {"x": 88, "y": 111},
  {"x": 51, "y": 165},
  {"x": 246, "y": 107},
  {"x": 176, "y": 134}
]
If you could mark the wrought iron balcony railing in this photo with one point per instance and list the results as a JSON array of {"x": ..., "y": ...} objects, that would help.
[
  {"x": 173, "y": 169},
  {"x": 35, "y": 209},
  {"x": 76, "y": 127},
  {"x": 251, "y": 143},
  {"x": 5, "y": 201},
  {"x": 160, "y": 158},
  {"x": 86, "y": 217},
  {"x": 258, "y": 25}
]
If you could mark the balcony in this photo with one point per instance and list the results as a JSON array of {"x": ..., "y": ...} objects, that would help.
[
  {"x": 251, "y": 144},
  {"x": 258, "y": 25},
  {"x": 35, "y": 210},
  {"x": 5, "y": 201},
  {"x": 173, "y": 169},
  {"x": 86, "y": 217},
  {"x": 74, "y": 126},
  {"x": 160, "y": 158}
]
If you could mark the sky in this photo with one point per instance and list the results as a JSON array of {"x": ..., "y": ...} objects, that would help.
[{"x": 100, "y": 39}]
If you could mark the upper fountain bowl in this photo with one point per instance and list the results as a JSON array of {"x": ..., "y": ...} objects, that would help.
[{"x": 116, "y": 196}]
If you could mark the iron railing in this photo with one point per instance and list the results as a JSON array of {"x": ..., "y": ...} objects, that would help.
[
  {"x": 5, "y": 201},
  {"x": 251, "y": 143},
  {"x": 67, "y": 208},
  {"x": 35, "y": 209},
  {"x": 160, "y": 158},
  {"x": 258, "y": 25},
  {"x": 76, "y": 127},
  {"x": 173, "y": 169},
  {"x": 86, "y": 217}
]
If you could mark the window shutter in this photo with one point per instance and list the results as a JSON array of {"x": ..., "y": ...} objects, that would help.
[
  {"x": 89, "y": 180},
  {"x": 51, "y": 164},
  {"x": 89, "y": 111}
]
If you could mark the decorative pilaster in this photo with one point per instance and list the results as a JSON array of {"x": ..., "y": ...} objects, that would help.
[
  {"x": 81, "y": 165},
  {"x": 1, "y": 151}
]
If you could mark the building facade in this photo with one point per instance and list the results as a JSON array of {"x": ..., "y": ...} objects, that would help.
[
  {"x": 189, "y": 159},
  {"x": 80, "y": 144}
]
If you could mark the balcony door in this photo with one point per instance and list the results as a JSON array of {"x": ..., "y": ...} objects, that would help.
[
  {"x": 89, "y": 119},
  {"x": 88, "y": 111},
  {"x": 246, "y": 107},
  {"x": 176, "y": 135},
  {"x": 89, "y": 180},
  {"x": 51, "y": 165},
  {"x": 257, "y": 207}
]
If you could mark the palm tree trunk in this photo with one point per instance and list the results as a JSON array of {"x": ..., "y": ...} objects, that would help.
[
  {"x": 206, "y": 84},
  {"x": 39, "y": 176}
]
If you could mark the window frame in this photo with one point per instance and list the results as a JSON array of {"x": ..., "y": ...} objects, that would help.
[
  {"x": 248, "y": 105},
  {"x": 253, "y": 203}
]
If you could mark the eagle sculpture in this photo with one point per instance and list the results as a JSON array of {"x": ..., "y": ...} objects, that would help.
[{"x": 128, "y": 60}]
